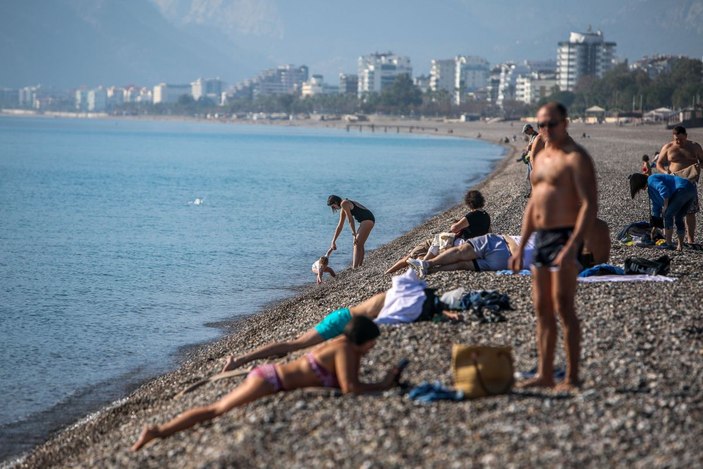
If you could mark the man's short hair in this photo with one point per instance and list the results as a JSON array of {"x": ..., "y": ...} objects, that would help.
[
  {"x": 680, "y": 130},
  {"x": 558, "y": 107}
]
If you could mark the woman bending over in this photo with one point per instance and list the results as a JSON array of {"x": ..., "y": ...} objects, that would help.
[{"x": 350, "y": 210}]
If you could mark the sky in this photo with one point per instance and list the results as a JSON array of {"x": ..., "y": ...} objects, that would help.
[{"x": 68, "y": 43}]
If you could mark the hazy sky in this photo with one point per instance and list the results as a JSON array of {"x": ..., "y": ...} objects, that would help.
[{"x": 72, "y": 42}]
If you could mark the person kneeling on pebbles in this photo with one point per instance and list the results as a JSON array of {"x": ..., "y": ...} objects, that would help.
[
  {"x": 334, "y": 365},
  {"x": 408, "y": 300}
]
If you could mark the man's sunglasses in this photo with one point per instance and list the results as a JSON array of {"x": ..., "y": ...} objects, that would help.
[{"x": 550, "y": 124}]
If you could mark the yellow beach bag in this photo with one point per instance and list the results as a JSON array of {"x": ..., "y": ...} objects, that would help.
[{"x": 481, "y": 370}]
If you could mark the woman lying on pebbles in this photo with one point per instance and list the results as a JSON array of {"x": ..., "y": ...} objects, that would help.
[
  {"x": 406, "y": 301},
  {"x": 334, "y": 365}
]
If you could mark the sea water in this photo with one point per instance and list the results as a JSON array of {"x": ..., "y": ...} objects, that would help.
[{"x": 120, "y": 241}]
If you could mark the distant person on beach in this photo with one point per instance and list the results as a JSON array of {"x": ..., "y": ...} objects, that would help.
[
  {"x": 476, "y": 222},
  {"x": 562, "y": 209},
  {"x": 646, "y": 167},
  {"x": 321, "y": 267},
  {"x": 350, "y": 210},
  {"x": 526, "y": 157},
  {"x": 405, "y": 302},
  {"x": 491, "y": 252},
  {"x": 333, "y": 365},
  {"x": 670, "y": 196},
  {"x": 682, "y": 157}
]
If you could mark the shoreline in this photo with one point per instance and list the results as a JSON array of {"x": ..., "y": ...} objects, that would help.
[
  {"x": 642, "y": 371},
  {"x": 86, "y": 403}
]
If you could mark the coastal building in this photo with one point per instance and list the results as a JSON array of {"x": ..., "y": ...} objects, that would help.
[
  {"x": 207, "y": 88},
  {"x": 534, "y": 86},
  {"x": 81, "y": 100},
  {"x": 284, "y": 79},
  {"x": 115, "y": 96},
  {"x": 27, "y": 97},
  {"x": 503, "y": 80},
  {"x": 656, "y": 65},
  {"x": 314, "y": 86},
  {"x": 422, "y": 82},
  {"x": 584, "y": 54},
  {"x": 443, "y": 75},
  {"x": 348, "y": 83},
  {"x": 97, "y": 100},
  {"x": 169, "y": 94},
  {"x": 9, "y": 98},
  {"x": 379, "y": 70},
  {"x": 471, "y": 74}
]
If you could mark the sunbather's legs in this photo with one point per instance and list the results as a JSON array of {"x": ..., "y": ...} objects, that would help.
[
  {"x": 251, "y": 389},
  {"x": 276, "y": 349},
  {"x": 401, "y": 264},
  {"x": 462, "y": 253},
  {"x": 461, "y": 265}
]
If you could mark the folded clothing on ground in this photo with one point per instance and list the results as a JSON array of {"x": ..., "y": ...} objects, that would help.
[
  {"x": 430, "y": 392},
  {"x": 492, "y": 301},
  {"x": 641, "y": 265},
  {"x": 602, "y": 269}
]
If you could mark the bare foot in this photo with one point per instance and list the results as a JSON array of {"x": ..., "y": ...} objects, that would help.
[
  {"x": 566, "y": 386},
  {"x": 536, "y": 382},
  {"x": 148, "y": 434},
  {"x": 230, "y": 364},
  {"x": 679, "y": 247}
]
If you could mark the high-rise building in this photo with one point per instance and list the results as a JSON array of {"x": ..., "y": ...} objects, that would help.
[
  {"x": 115, "y": 96},
  {"x": 207, "y": 88},
  {"x": 28, "y": 96},
  {"x": 584, "y": 54},
  {"x": 81, "y": 100},
  {"x": 97, "y": 100},
  {"x": 379, "y": 70},
  {"x": 443, "y": 75},
  {"x": 348, "y": 84},
  {"x": 471, "y": 74}
]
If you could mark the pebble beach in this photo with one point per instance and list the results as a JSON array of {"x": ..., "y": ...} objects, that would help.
[{"x": 640, "y": 405}]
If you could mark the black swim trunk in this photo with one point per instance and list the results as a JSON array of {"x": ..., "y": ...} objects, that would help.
[{"x": 549, "y": 243}]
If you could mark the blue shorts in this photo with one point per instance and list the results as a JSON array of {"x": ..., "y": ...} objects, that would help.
[{"x": 334, "y": 323}]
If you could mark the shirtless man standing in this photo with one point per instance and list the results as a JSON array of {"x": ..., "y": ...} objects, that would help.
[
  {"x": 562, "y": 209},
  {"x": 677, "y": 155}
]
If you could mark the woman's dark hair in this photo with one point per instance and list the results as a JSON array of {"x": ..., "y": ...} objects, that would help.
[
  {"x": 334, "y": 200},
  {"x": 645, "y": 157},
  {"x": 637, "y": 183},
  {"x": 360, "y": 330},
  {"x": 474, "y": 200}
]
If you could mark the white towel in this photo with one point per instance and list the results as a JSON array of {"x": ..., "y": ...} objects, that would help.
[
  {"x": 626, "y": 278},
  {"x": 404, "y": 300}
]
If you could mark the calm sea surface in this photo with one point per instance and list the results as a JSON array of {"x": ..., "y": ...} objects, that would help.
[{"x": 108, "y": 264}]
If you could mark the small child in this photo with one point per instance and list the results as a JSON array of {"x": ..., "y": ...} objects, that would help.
[
  {"x": 646, "y": 167},
  {"x": 321, "y": 266}
]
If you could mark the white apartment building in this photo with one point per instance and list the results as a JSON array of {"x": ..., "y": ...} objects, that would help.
[
  {"x": 97, "y": 100},
  {"x": 379, "y": 70},
  {"x": 312, "y": 87},
  {"x": 582, "y": 55},
  {"x": 207, "y": 88},
  {"x": 471, "y": 74},
  {"x": 443, "y": 75},
  {"x": 166, "y": 94},
  {"x": 532, "y": 87}
]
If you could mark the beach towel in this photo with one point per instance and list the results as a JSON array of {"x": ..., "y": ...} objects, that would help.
[
  {"x": 510, "y": 272},
  {"x": 627, "y": 278},
  {"x": 430, "y": 392},
  {"x": 404, "y": 300}
]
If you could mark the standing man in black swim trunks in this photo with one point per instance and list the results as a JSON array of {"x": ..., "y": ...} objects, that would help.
[
  {"x": 563, "y": 207},
  {"x": 351, "y": 211}
]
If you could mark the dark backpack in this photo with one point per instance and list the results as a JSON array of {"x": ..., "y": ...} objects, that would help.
[{"x": 641, "y": 265}]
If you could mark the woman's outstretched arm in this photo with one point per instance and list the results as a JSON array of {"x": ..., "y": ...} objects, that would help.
[
  {"x": 347, "y": 367},
  {"x": 338, "y": 230}
]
